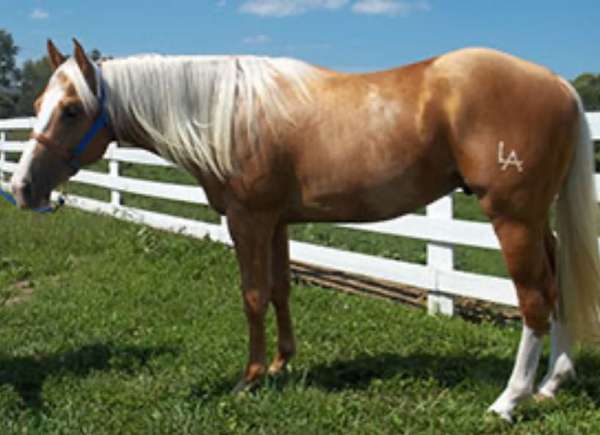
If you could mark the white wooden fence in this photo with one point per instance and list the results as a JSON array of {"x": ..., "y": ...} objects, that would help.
[{"x": 438, "y": 228}]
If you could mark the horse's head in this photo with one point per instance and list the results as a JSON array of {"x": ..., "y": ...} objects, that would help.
[{"x": 71, "y": 128}]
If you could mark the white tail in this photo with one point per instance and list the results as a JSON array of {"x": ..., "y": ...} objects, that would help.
[{"x": 578, "y": 255}]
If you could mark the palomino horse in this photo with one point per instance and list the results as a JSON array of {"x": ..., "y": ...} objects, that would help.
[{"x": 278, "y": 141}]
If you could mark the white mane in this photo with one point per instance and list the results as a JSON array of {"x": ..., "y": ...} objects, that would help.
[{"x": 195, "y": 107}]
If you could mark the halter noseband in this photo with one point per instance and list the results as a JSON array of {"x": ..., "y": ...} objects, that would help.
[{"x": 71, "y": 157}]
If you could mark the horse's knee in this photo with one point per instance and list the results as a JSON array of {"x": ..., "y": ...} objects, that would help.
[{"x": 255, "y": 305}]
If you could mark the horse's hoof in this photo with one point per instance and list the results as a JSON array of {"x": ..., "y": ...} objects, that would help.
[
  {"x": 502, "y": 414},
  {"x": 277, "y": 367},
  {"x": 540, "y": 397},
  {"x": 251, "y": 378},
  {"x": 275, "y": 370},
  {"x": 243, "y": 386}
]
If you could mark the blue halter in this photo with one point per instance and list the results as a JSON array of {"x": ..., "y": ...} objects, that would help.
[{"x": 102, "y": 120}]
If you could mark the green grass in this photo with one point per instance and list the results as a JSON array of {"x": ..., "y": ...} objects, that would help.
[{"x": 123, "y": 329}]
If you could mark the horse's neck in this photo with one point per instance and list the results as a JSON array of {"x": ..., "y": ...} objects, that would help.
[
  {"x": 134, "y": 135},
  {"x": 208, "y": 138}
]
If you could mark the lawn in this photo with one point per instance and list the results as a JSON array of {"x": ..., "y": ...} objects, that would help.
[{"x": 110, "y": 327}]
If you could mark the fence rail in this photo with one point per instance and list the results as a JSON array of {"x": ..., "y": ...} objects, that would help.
[{"x": 438, "y": 228}]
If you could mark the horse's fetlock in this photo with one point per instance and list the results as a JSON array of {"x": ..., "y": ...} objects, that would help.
[{"x": 520, "y": 389}]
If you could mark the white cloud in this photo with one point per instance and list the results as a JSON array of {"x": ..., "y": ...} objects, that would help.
[
  {"x": 256, "y": 40},
  {"x": 283, "y": 8},
  {"x": 390, "y": 7},
  {"x": 39, "y": 14}
]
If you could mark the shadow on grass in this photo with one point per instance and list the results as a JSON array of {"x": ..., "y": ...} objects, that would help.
[
  {"x": 454, "y": 371},
  {"x": 359, "y": 373},
  {"x": 587, "y": 368},
  {"x": 27, "y": 374},
  {"x": 204, "y": 393},
  {"x": 449, "y": 371}
]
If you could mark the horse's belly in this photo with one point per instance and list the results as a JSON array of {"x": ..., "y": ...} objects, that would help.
[{"x": 372, "y": 202}]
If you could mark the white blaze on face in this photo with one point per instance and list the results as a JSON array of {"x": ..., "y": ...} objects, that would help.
[
  {"x": 20, "y": 175},
  {"x": 53, "y": 95}
]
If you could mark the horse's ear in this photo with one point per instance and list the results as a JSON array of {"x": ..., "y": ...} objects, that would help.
[
  {"x": 55, "y": 57},
  {"x": 85, "y": 65}
]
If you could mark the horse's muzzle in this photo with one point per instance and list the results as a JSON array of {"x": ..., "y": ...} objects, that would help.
[{"x": 28, "y": 197}]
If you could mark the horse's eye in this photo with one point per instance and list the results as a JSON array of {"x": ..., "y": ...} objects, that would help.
[{"x": 70, "y": 111}]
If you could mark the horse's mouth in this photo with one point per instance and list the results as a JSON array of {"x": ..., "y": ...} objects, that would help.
[
  {"x": 29, "y": 198},
  {"x": 42, "y": 203}
]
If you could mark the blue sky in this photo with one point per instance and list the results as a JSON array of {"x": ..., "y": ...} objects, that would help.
[{"x": 350, "y": 35}]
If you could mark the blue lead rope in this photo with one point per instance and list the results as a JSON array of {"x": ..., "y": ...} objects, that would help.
[
  {"x": 8, "y": 197},
  {"x": 47, "y": 209}
]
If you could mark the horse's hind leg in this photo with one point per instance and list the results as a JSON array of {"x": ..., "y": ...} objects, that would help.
[
  {"x": 523, "y": 248},
  {"x": 561, "y": 365},
  {"x": 280, "y": 295}
]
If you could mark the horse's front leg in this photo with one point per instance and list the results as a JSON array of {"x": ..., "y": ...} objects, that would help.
[{"x": 252, "y": 233}]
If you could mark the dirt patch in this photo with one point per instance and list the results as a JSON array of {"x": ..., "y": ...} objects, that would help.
[
  {"x": 19, "y": 293},
  {"x": 471, "y": 309}
]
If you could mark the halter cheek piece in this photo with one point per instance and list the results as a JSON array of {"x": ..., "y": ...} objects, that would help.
[{"x": 72, "y": 157}]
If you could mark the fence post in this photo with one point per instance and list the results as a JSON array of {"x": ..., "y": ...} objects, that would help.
[
  {"x": 440, "y": 257},
  {"x": 2, "y": 155},
  {"x": 225, "y": 230},
  {"x": 113, "y": 170}
]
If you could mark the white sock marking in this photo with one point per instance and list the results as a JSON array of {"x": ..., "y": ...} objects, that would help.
[
  {"x": 561, "y": 365},
  {"x": 520, "y": 384}
]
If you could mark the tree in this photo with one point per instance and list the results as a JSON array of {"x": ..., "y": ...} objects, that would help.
[
  {"x": 8, "y": 100},
  {"x": 588, "y": 86},
  {"x": 34, "y": 77},
  {"x": 8, "y": 51},
  {"x": 9, "y": 74},
  {"x": 95, "y": 55}
]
